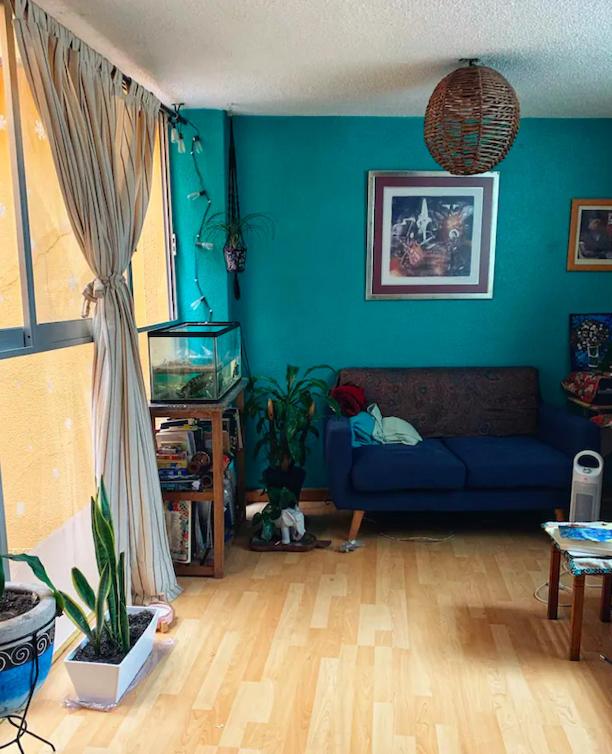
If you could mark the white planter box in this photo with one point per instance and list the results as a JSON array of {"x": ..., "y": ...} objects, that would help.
[{"x": 103, "y": 683}]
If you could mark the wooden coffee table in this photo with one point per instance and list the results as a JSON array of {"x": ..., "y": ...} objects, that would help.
[{"x": 579, "y": 568}]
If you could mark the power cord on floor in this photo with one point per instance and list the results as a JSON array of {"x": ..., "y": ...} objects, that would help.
[
  {"x": 429, "y": 540},
  {"x": 562, "y": 588}
]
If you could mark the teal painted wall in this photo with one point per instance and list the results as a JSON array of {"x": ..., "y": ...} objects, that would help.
[
  {"x": 187, "y": 215},
  {"x": 303, "y": 291}
]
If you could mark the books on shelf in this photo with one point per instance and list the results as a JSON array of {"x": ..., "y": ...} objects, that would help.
[
  {"x": 178, "y": 526},
  {"x": 176, "y": 440},
  {"x": 191, "y": 523}
]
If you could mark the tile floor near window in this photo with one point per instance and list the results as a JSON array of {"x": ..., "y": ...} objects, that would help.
[{"x": 398, "y": 648}]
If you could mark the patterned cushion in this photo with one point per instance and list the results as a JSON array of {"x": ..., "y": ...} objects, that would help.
[{"x": 451, "y": 402}]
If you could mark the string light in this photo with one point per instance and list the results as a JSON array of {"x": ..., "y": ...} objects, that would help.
[
  {"x": 177, "y": 123},
  {"x": 175, "y": 119}
]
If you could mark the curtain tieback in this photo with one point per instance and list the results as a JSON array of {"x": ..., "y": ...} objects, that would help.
[{"x": 96, "y": 289}]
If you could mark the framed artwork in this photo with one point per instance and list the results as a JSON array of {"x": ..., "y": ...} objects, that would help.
[
  {"x": 590, "y": 341},
  {"x": 590, "y": 237},
  {"x": 430, "y": 235}
]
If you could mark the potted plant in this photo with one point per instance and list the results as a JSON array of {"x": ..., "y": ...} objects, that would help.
[
  {"x": 27, "y": 631},
  {"x": 233, "y": 230},
  {"x": 285, "y": 420},
  {"x": 120, "y": 639}
]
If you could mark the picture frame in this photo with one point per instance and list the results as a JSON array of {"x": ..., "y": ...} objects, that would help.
[
  {"x": 430, "y": 235},
  {"x": 590, "y": 236},
  {"x": 590, "y": 340}
]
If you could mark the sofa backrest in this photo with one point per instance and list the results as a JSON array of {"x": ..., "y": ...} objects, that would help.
[{"x": 454, "y": 401}]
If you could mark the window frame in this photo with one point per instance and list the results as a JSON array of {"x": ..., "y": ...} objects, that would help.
[
  {"x": 169, "y": 236},
  {"x": 33, "y": 336}
]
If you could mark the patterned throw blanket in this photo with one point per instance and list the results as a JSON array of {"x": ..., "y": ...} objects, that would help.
[{"x": 583, "y": 385}]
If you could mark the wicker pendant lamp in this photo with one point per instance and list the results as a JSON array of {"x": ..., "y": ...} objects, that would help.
[{"x": 471, "y": 120}]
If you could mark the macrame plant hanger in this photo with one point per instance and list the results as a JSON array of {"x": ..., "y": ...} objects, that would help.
[{"x": 235, "y": 247}]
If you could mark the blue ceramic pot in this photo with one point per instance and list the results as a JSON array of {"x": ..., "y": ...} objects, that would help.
[{"x": 25, "y": 641}]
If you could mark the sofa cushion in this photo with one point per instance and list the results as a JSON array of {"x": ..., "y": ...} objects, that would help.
[
  {"x": 426, "y": 465},
  {"x": 454, "y": 401},
  {"x": 505, "y": 462}
]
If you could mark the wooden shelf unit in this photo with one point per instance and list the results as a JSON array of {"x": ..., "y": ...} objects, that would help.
[{"x": 212, "y": 412}]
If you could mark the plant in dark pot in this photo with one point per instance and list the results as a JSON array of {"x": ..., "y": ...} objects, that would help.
[
  {"x": 233, "y": 230},
  {"x": 120, "y": 639},
  {"x": 285, "y": 417}
]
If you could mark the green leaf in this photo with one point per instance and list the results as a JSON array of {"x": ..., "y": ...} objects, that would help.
[
  {"x": 291, "y": 374},
  {"x": 106, "y": 536},
  {"x": 125, "y": 630},
  {"x": 76, "y": 615},
  {"x": 103, "y": 590},
  {"x": 100, "y": 552},
  {"x": 83, "y": 589},
  {"x": 124, "y": 626},
  {"x": 36, "y": 567},
  {"x": 121, "y": 578},
  {"x": 310, "y": 370},
  {"x": 103, "y": 502},
  {"x": 104, "y": 543}
]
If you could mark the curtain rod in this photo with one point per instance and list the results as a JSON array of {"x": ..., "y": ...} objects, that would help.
[{"x": 171, "y": 112}]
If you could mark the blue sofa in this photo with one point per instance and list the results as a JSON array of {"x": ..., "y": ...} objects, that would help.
[{"x": 489, "y": 444}]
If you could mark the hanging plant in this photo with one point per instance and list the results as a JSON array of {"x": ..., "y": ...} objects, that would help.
[
  {"x": 231, "y": 225},
  {"x": 233, "y": 232}
]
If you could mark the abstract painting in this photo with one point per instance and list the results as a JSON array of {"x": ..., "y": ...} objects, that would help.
[{"x": 430, "y": 235}]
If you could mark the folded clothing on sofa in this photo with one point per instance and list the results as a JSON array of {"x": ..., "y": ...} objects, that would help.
[{"x": 371, "y": 428}]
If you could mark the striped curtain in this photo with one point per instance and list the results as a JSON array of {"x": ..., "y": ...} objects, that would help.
[{"x": 102, "y": 140}]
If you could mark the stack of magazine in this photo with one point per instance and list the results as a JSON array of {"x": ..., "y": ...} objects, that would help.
[
  {"x": 189, "y": 523},
  {"x": 587, "y": 539}
]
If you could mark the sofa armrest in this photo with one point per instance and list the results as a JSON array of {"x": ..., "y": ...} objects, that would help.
[
  {"x": 338, "y": 457},
  {"x": 567, "y": 432}
]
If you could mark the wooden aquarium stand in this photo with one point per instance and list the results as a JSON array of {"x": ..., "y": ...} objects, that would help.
[{"x": 212, "y": 412}]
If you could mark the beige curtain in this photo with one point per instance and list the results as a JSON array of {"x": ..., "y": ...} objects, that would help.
[{"x": 102, "y": 142}]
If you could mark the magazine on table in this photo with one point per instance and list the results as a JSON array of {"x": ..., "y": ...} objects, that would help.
[{"x": 583, "y": 538}]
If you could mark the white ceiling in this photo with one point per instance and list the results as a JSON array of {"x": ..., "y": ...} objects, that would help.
[{"x": 362, "y": 57}]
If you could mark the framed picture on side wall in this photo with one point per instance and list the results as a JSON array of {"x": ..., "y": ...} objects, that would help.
[
  {"x": 590, "y": 237},
  {"x": 430, "y": 235},
  {"x": 590, "y": 341}
]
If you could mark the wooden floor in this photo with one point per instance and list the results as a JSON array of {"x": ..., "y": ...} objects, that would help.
[{"x": 401, "y": 647}]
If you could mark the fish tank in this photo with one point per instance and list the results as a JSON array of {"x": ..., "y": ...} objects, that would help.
[{"x": 194, "y": 361}]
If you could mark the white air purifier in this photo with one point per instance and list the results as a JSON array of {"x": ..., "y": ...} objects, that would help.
[{"x": 587, "y": 482}]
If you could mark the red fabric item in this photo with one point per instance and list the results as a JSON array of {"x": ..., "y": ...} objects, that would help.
[
  {"x": 350, "y": 398},
  {"x": 602, "y": 420},
  {"x": 582, "y": 385}
]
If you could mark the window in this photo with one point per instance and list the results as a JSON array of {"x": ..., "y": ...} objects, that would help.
[
  {"x": 47, "y": 464},
  {"x": 152, "y": 267},
  {"x": 46, "y": 351},
  {"x": 43, "y": 271}
]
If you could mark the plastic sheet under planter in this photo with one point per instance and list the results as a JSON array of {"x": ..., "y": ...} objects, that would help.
[{"x": 103, "y": 683}]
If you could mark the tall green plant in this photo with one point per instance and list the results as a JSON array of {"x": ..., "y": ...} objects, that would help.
[
  {"x": 285, "y": 413},
  {"x": 108, "y": 602}
]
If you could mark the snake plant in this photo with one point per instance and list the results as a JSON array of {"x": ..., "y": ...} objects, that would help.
[{"x": 108, "y": 602}]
